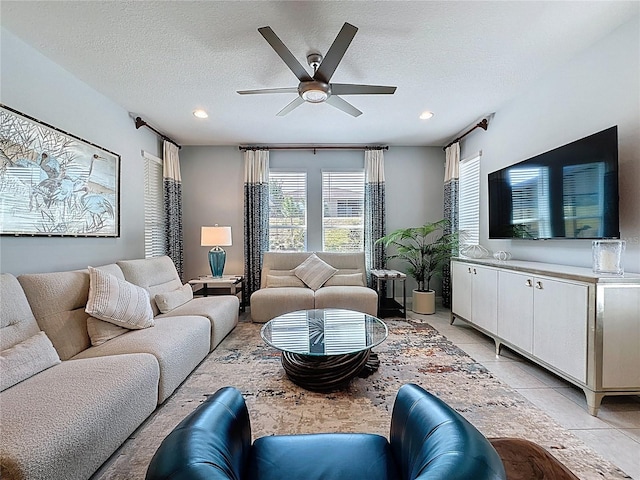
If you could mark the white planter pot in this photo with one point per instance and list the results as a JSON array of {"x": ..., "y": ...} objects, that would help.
[{"x": 424, "y": 302}]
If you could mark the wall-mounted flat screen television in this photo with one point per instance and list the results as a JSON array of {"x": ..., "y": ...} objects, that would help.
[{"x": 569, "y": 192}]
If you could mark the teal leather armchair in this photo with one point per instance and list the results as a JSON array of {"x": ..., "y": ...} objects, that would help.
[{"x": 428, "y": 440}]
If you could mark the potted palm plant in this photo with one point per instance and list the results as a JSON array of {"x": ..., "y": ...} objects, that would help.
[{"x": 425, "y": 250}]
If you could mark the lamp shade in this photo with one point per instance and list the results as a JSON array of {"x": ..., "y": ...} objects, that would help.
[{"x": 215, "y": 236}]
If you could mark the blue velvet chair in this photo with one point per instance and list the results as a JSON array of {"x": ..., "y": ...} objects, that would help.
[{"x": 428, "y": 440}]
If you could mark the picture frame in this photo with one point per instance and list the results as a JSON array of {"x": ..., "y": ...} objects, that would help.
[{"x": 53, "y": 183}]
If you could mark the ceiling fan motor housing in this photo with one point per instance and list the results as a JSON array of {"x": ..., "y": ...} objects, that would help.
[{"x": 314, "y": 91}]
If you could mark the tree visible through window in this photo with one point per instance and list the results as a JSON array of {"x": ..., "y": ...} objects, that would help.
[
  {"x": 287, "y": 211},
  {"x": 343, "y": 211}
]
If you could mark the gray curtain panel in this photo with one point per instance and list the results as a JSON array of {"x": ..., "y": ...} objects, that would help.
[
  {"x": 256, "y": 217},
  {"x": 173, "y": 205},
  {"x": 452, "y": 168},
  {"x": 374, "y": 210}
]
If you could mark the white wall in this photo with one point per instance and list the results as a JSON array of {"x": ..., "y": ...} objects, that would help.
[
  {"x": 597, "y": 89},
  {"x": 212, "y": 179},
  {"x": 36, "y": 86}
]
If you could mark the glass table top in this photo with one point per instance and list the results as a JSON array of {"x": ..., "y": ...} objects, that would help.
[{"x": 324, "y": 332}]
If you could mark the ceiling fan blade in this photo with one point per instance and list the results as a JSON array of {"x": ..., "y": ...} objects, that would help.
[
  {"x": 336, "y": 52},
  {"x": 296, "y": 103},
  {"x": 343, "y": 105},
  {"x": 269, "y": 90},
  {"x": 285, "y": 54},
  {"x": 352, "y": 89}
]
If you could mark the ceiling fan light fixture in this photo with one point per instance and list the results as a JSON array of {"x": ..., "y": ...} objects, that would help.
[
  {"x": 314, "y": 96},
  {"x": 314, "y": 91}
]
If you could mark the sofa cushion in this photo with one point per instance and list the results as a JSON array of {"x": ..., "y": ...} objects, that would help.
[
  {"x": 340, "y": 456},
  {"x": 58, "y": 300},
  {"x": 169, "y": 300},
  {"x": 69, "y": 419},
  {"x": 25, "y": 359},
  {"x": 314, "y": 272},
  {"x": 220, "y": 310},
  {"x": 156, "y": 275},
  {"x": 17, "y": 322},
  {"x": 178, "y": 343},
  {"x": 346, "y": 279},
  {"x": 268, "y": 303},
  {"x": 360, "y": 299},
  {"x": 276, "y": 281},
  {"x": 101, "y": 331},
  {"x": 118, "y": 301},
  {"x": 345, "y": 262}
]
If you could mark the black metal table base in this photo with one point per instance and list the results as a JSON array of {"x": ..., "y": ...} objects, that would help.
[{"x": 325, "y": 373}]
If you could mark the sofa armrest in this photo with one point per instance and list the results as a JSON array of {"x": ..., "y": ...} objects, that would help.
[
  {"x": 431, "y": 440},
  {"x": 213, "y": 442}
]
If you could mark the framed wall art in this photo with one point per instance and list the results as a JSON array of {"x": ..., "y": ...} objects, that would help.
[{"x": 53, "y": 183}]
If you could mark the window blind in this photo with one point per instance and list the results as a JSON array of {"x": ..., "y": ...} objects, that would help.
[
  {"x": 154, "y": 216},
  {"x": 469, "y": 200},
  {"x": 343, "y": 211},
  {"x": 287, "y": 211}
]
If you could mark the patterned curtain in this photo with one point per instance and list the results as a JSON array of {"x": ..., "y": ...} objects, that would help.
[
  {"x": 256, "y": 217},
  {"x": 374, "y": 209},
  {"x": 451, "y": 175},
  {"x": 173, "y": 204}
]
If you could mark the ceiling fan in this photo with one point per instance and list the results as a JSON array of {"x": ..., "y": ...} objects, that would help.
[{"x": 316, "y": 88}]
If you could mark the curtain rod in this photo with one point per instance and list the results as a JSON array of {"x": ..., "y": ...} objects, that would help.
[
  {"x": 315, "y": 147},
  {"x": 141, "y": 123},
  {"x": 483, "y": 125}
]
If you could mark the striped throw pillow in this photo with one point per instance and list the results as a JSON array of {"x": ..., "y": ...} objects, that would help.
[
  {"x": 314, "y": 272},
  {"x": 118, "y": 301}
]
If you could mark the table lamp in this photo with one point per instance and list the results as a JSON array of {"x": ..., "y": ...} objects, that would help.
[{"x": 216, "y": 237}]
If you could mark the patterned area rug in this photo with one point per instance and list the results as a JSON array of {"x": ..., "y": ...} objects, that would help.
[{"x": 414, "y": 352}]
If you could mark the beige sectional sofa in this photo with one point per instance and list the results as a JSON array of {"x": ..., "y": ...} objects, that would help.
[
  {"x": 282, "y": 291},
  {"x": 82, "y": 401}
]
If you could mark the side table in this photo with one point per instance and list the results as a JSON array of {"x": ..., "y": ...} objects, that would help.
[
  {"x": 388, "y": 305},
  {"x": 225, "y": 285}
]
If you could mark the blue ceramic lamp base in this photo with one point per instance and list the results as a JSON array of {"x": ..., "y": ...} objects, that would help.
[{"x": 217, "y": 257}]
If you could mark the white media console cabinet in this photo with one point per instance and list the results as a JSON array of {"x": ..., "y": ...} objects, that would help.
[{"x": 581, "y": 326}]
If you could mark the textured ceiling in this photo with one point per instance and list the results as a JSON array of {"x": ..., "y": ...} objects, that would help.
[{"x": 162, "y": 60}]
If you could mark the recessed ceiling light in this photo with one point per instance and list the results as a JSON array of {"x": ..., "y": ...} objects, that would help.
[
  {"x": 200, "y": 113},
  {"x": 426, "y": 115}
]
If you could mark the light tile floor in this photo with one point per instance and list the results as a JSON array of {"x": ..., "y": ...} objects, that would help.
[{"x": 614, "y": 433}]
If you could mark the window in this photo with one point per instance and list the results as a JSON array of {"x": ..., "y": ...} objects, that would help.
[
  {"x": 469, "y": 200},
  {"x": 343, "y": 211},
  {"x": 287, "y": 211},
  {"x": 154, "y": 220}
]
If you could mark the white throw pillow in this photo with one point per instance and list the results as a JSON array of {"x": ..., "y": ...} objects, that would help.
[
  {"x": 100, "y": 331},
  {"x": 314, "y": 272},
  {"x": 25, "y": 359},
  {"x": 169, "y": 300},
  {"x": 345, "y": 279},
  {"x": 118, "y": 301},
  {"x": 274, "y": 281}
]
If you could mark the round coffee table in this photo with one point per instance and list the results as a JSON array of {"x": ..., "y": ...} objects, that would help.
[{"x": 324, "y": 349}]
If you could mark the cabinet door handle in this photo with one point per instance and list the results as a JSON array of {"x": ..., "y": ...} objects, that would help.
[
  {"x": 539, "y": 285},
  {"x": 528, "y": 283},
  {"x": 474, "y": 271},
  {"x": 469, "y": 269}
]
